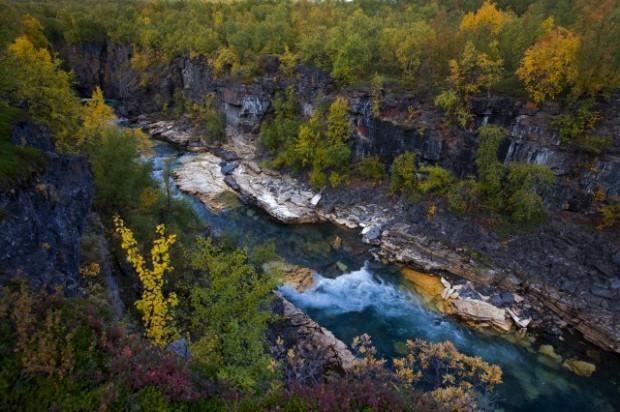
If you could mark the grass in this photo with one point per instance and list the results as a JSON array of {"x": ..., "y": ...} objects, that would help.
[{"x": 18, "y": 165}]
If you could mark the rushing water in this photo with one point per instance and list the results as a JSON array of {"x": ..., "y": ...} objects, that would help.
[{"x": 372, "y": 298}]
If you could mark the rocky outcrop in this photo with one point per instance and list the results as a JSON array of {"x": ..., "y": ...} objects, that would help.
[
  {"x": 41, "y": 227},
  {"x": 465, "y": 302},
  {"x": 298, "y": 329},
  {"x": 201, "y": 176}
]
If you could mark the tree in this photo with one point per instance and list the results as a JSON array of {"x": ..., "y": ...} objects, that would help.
[
  {"x": 403, "y": 173},
  {"x": 549, "y": 66},
  {"x": 45, "y": 90},
  {"x": 490, "y": 169},
  {"x": 115, "y": 160},
  {"x": 351, "y": 60},
  {"x": 487, "y": 20},
  {"x": 229, "y": 313},
  {"x": 155, "y": 307},
  {"x": 409, "y": 45},
  {"x": 339, "y": 127},
  {"x": 96, "y": 117}
]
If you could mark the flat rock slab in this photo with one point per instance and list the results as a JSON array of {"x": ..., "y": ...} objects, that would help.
[
  {"x": 201, "y": 176},
  {"x": 480, "y": 311}
]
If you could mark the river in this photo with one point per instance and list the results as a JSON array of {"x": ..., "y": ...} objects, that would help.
[{"x": 370, "y": 297}]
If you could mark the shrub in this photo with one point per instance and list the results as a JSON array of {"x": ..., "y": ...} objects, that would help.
[
  {"x": 371, "y": 169},
  {"x": 438, "y": 180},
  {"x": 403, "y": 173}
]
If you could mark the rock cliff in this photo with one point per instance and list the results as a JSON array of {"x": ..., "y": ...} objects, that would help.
[{"x": 42, "y": 223}]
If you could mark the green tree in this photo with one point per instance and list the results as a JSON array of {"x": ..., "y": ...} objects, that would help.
[
  {"x": 339, "y": 127},
  {"x": 115, "y": 160},
  {"x": 229, "y": 314},
  {"x": 527, "y": 181},
  {"x": 97, "y": 117},
  {"x": 403, "y": 173},
  {"x": 490, "y": 170}
]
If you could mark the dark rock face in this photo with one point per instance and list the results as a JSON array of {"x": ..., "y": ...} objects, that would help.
[
  {"x": 40, "y": 233},
  {"x": 405, "y": 123}
]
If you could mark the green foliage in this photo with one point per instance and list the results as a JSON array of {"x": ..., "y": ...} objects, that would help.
[
  {"x": 438, "y": 180},
  {"x": 278, "y": 137},
  {"x": 117, "y": 160},
  {"x": 414, "y": 42},
  {"x": 454, "y": 106},
  {"x": 339, "y": 127},
  {"x": 490, "y": 169},
  {"x": 229, "y": 314},
  {"x": 403, "y": 173},
  {"x": 371, "y": 169},
  {"x": 463, "y": 197},
  {"x": 18, "y": 165},
  {"x": 575, "y": 130},
  {"x": 37, "y": 82},
  {"x": 210, "y": 123}
]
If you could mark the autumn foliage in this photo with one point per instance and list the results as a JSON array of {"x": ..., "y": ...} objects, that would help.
[
  {"x": 155, "y": 307},
  {"x": 549, "y": 66}
]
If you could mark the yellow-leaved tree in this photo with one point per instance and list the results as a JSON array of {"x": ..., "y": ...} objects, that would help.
[
  {"x": 487, "y": 19},
  {"x": 550, "y": 64},
  {"x": 38, "y": 82},
  {"x": 155, "y": 307},
  {"x": 97, "y": 116}
]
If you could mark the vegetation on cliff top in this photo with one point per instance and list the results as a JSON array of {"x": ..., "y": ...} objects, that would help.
[{"x": 544, "y": 48}]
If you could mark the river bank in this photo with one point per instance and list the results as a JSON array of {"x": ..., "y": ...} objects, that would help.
[
  {"x": 350, "y": 297},
  {"x": 479, "y": 263}
]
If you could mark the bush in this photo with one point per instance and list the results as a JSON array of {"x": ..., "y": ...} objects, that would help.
[
  {"x": 438, "y": 180},
  {"x": 371, "y": 169},
  {"x": 403, "y": 173}
]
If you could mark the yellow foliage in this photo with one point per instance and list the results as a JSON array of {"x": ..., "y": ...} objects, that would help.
[
  {"x": 550, "y": 64},
  {"x": 90, "y": 271},
  {"x": 154, "y": 306},
  {"x": 432, "y": 211},
  {"x": 486, "y": 17},
  {"x": 96, "y": 116},
  {"x": 475, "y": 70},
  {"x": 44, "y": 89}
]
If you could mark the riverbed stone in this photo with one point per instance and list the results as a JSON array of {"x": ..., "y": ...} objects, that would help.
[
  {"x": 228, "y": 168},
  {"x": 579, "y": 367},
  {"x": 298, "y": 277},
  {"x": 480, "y": 311}
]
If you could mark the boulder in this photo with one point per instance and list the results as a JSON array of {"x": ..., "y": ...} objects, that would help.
[
  {"x": 548, "y": 350},
  {"x": 480, "y": 311},
  {"x": 228, "y": 168},
  {"x": 298, "y": 277}
]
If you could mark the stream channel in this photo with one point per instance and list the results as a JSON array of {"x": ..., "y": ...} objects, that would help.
[{"x": 371, "y": 297}]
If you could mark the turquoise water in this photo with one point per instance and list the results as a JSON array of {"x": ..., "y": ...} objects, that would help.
[{"x": 371, "y": 298}]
